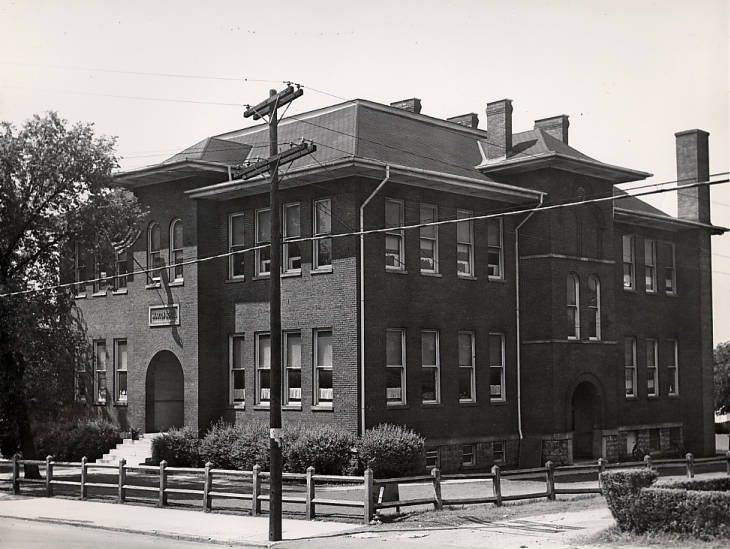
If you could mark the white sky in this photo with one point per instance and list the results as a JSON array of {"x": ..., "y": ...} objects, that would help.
[{"x": 629, "y": 73}]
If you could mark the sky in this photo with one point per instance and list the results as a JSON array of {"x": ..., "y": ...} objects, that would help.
[{"x": 628, "y": 73}]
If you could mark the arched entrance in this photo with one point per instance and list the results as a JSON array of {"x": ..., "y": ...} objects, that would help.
[
  {"x": 164, "y": 391},
  {"x": 586, "y": 420}
]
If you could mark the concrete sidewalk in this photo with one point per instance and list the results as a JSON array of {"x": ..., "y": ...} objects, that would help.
[{"x": 173, "y": 523}]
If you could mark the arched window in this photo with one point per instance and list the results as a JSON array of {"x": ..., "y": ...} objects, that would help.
[
  {"x": 573, "y": 306},
  {"x": 154, "y": 257},
  {"x": 176, "y": 250},
  {"x": 594, "y": 307}
]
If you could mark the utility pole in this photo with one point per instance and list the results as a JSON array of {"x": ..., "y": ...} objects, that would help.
[{"x": 270, "y": 107}]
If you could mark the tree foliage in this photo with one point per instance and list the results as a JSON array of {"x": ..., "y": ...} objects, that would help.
[
  {"x": 722, "y": 377},
  {"x": 56, "y": 190}
]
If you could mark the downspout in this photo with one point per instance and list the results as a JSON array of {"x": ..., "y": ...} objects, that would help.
[
  {"x": 517, "y": 315},
  {"x": 362, "y": 297}
]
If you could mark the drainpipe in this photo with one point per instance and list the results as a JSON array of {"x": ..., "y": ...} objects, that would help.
[
  {"x": 517, "y": 315},
  {"x": 362, "y": 297}
]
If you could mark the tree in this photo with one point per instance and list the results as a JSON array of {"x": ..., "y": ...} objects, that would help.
[
  {"x": 56, "y": 191},
  {"x": 721, "y": 357}
]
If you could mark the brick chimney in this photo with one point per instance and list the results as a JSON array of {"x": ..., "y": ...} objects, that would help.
[
  {"x": 557, "y": 126},
  {"x": 410, "y": 105},
  {"x": 470, "y": 120},
  {"x": 499, "y": 129},
  {"x": 693, "y": 165}
]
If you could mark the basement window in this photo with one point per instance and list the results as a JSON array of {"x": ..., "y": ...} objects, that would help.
[{"x": 467, "y": 455}]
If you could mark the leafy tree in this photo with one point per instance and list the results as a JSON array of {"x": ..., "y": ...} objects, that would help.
[
  {"x": 56, "y": 190},
  {"x": 722, "y": 377}
]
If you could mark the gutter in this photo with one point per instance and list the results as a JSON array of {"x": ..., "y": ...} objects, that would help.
[{"x": 362, "y": 296}]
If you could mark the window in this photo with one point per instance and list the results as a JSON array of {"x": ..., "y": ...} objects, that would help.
[
  {"x": 666, "y": 258},
  {"x": 237, "y": 368},
  {"x": 235, "y": 244},
  {"x": 630, "y": 366},
  {"x": 496, "y": 367},
  {"x": 82, "y": 385},
  {"x": 467, "y": 385},
  {"x": 395, "y": 256},
  {"x": 323, "y": 393},
  {"x": 627, "y": 243},
  {"x": 495, "y": 258},
  {"x": 120, "y": 369},
  {"x": 654, "y": 440},
  {"x": 650, "y": 265},
  {"x": 100, "y": 371},
  {"x": 652, "y": 372},
  {"x": 498, "y": 451},
  {"x": 432, "y": 459},
  {"x": 430, "y": 379},
  {"x": 572, "y": 302},
  {"x": 395, "y": 372},
  {"x": 79, "y": 271},
  {"x": 429, "y": 239},
  {"x": 292, "y": 369},
  {"x": 467, "y": 455},
  {"x": 263, "y": 236},
  {"x": 154, "y": 255},
  {"x": 672, "y": 367},
  {"x": 464, "y": 244},
  {"x": 322, "y": 248},
  {"x": 292, "y": 251},
  {"x": 176, "y": 250},
  {"x": 263, "y": 368},
  {"x": 675, "y": 437},
  {"x": 120, "y": 270},
  {"x": 102, "y": 273},
  {"x": 594, "y": 308}
]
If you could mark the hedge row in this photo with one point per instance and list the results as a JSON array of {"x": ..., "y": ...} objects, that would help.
[
  {"x": 388, "y": 449},
  {"x": 73, "y": 440},
  {"x": 698, "y": 508}
]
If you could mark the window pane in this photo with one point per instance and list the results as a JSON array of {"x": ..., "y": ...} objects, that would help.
[
  {"x": 629, "y": 351},
  {"x": 101, "y": 356},
  {"x": 239, "y": 386},
  {"x": 629, "y": 380},
  {"x": 650, "y": 353},
  {"x": 101, "y": 386},
  {"x": 294, "y": 383},
  {"x": 627, "y": 243},
  {"x": 237, "y": 352},
  {"x": 177, "y": 235},
  {"x": 493, "y": 233},
  {"x": 155, "y": 238},
  {"x": 264, "y": 351},
  {"x": 393, "y": 213},
  {"x": 394, "y": 342},
  {"x": 428, "y": 255},
  {"x": 428, "y": 348},
  {"x": 323, "y": 220},
  {"x": 263, "y": 226},
  {"x": 292, "y": 221},
  {"x": 495, "y": 350},
  {"x": 463, "y": 232},
  {"x": 265, "y": 385},
  {"x": 465, "y": 358},
  {"x": 428, "y": 215},
  {"x": 495, "y": 382},
  {"x": 393, "y": 391},
  {"x": 264, "y": 260},
  {"x": 494, "y": 262},
  {"x": 392, "y": 250},
  {"x": 324, "y": 252},
  {"x": 571, "y": 290},
  {"x": 325, "y": 385},
  {"x": 293, "y": 351},
  {"x": 324, "y": 349},
  {"x": 122, "y": 386},
  {"x": 122, "y": 355},
  {"x": 465, "y": 384},
  {"x": 428, "y": 384},
  {"x": 236, "y": 237},
  {"x": 294, "y": 256},
  {"x": 463, "y": 258}
]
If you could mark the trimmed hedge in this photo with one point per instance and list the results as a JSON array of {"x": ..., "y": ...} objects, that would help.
[
  {"x": 698, "y": 508},
  {"x": 73, "y": 440},
  {"x": 325, "y": 447},
  {"x": 392, "y": 451},
  {"x": 237, "y": 446},
  {"x": 178, "y": 447}
]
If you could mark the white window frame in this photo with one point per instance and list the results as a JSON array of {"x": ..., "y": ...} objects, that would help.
[
  {"x": 652, "y": 367},
  {"x": 503, "y": 451},
  {"x": 468, "y": 457},
  {"x": 286, "y": 255},
  {"x": 259, "y": 367},
  {"x": 82, "y": 377},
  {"x": 288, "y": 399},
  {"x": 176, "y": 254},
  {"x": 101, "y": 277},
  {"x": 499, "y": 248},
  {"x": 118, "y": 397},
  {"x": 398, "y": 233},
  {"x": 432, "y": 454},
  {"x": 673, "y": 367},
  {"x": 260, "y": 273},
  {"x": 466, "y": 215},
  {"x": 401, "y": 366},
  {"x": 233, "y": 368},
  {"x": 432, "y": 216},
  {"x": 595, "y": 310},
  {"x": 471, "y": 367},
  {"x": 98, "y": 371},
  {"x": 324, "y": 205},
  {"x": 630, "y": 367},
  {"x": 628, "y": 260},
  {"x": 671, "y": 268},
  {"x": 650, "y": 278},
  {"x": 435, "y": 367},
  {"x": 79, "y": 272},
  {"x": 573, "y": 282},
  {"x": 321, "y": 367},
  {"x": 503, "y": 396},
  {"x": 153, "y": 256},
  {"x": 121, "y": 261}
]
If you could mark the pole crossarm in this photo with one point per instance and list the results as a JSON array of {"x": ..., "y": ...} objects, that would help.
[
  {"x": 269, "y": 105},
  {"x": 289, "y": 155}
]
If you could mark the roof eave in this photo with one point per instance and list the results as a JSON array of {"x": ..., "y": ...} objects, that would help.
[
  {"x": 160, "y": 173},
  {"x": 665, "y": 222}
]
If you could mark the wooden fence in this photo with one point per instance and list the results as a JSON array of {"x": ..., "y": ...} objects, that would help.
[{"x": 375, "y": 492}]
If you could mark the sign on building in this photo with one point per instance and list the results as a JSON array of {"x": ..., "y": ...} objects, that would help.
[{"x": 164, "y": 315}]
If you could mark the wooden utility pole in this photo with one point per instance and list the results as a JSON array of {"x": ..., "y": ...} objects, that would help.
[{"x": 270, "y": 107}]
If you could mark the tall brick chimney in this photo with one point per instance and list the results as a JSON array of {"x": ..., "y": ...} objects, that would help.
[
  {"x": 693, "y": 165},
  {"x": 557, "y": 126},
  {"x": 470, "y": 120},
  {"x": 410, "y": 105},
  {"x": 499, "y": 129}
]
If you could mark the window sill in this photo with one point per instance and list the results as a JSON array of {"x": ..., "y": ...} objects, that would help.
[
  {"x": 176, "y": 283},
  {"x": 99, "y": 294},
  {"x": 500, "y": 279},
  {"x": 99, "y": 403},
  {"x": 632, "y": 290},
  {"x": 673, "y": 395},
  {"x": 396, "y": 271},
  {"x": 291, "y": 274},
  {"x": 468, "y": 403},
  {"x": 573, "y": 338},
  {"x": 265, "y": 276},
  {"x": 322, "y": 270},
  {"x": 466, "y": 277},
  {"x": 670, "y": 294},
  {"x": 261, "y": 407},
  {"x": 121, "y": 404},
  {"x": 431, "y": 405},
  {"x": 498, "y": 401},
  {"x": 119, "y": 292},
  {"x": 80, "y": 296},
  {"x": 234, "y": 280},
  {"x": 433, "y": 274},
  {"x": 237, "y": 408},
  {"x": 296, "y": 407},
  {"x": 594, "y": 339},
  {"x": 321, "y": 408},
  {"x": 631, "y": 397},
  {"x": 153, "y": 286},
  {"x": 652, "y": 397},
  {"x": 397, "y": 406}
]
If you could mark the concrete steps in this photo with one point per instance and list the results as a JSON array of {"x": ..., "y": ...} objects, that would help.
[{"x": 135, "y": 452}]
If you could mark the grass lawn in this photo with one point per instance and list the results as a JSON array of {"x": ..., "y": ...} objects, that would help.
[{"x": 613, "y": 537}]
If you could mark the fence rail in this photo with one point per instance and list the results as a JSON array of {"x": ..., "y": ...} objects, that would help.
[{"x": 387, "y": 496}]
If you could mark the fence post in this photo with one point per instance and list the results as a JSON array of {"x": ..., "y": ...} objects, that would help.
[
  {"x": 309, "y": 505},
  {"x": 550, "y": 477},
  {"x": 163, "y": 484},
  {"x": 601, "y": 468},
  {"x": 497, "y": 485},
  {"x": 122, "y": 480},
  {"x": 16, "y": 474},
  {"x": 255, "y": 489},
  {"x": 368, "y": 495},
  {"x": 49, "y": 476},
  {"x": 207, "y": 487},
  {"x": 690, "y": 465},
  {"x": 438, "y": 502},
  {"x": 647, "y": 461},
  {"x": 84, "y": 460}
]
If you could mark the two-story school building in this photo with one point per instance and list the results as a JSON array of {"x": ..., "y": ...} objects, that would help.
[{"x": 528, "y": 316}]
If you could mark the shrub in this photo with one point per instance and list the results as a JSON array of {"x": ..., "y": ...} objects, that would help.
[
  {"x": 325, "y": 447},
  {"x": 70, "y": 441},
  {"x": 236, "y": 446},
  {"x": 391, "y": 451},
  {"x": 621, "y": 490},
  {"x": 178, "y": 447}
]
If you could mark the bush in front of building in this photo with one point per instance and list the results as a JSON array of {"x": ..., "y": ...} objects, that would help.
[
  {"x": 178, "y": 447},
  {"x": 391, "y": 451},
  {"x": 327, "y": 448},
  {"x": 73, "y": 440},
  {"x": 239, "y": 447},
  {"x": 621, "y": 489}
]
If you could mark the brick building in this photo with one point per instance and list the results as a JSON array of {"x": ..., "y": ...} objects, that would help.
[{"x": 597, "y": 338}]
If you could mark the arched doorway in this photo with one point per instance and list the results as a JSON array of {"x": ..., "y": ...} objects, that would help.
[
  {"x": 586, "y": 421},
  {"x": 164, "y": 392}
]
